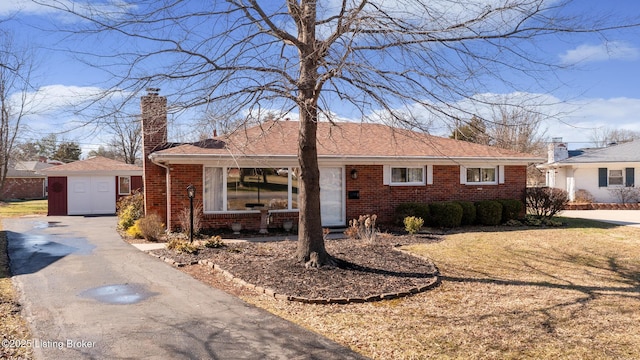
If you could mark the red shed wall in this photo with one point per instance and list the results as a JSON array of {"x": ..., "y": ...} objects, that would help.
[{"x": 57, "y": 200}]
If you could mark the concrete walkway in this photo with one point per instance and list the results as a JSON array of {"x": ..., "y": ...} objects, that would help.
[
  {"x": 618, "y": 217},
  {"x": 88, "y": 294}
]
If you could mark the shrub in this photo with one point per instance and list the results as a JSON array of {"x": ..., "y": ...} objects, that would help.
[
  {"x": 129, "y": 209},
  {"x": 184, "y": 218},
  {"x": 182, "y": 246},
  {"x": 134, "y": 231},
  {"x": 445, "y": 214},
  {"x": 625, "y": 194},
  {"x": 488, "y": 212},
  {"x": 511, "y": 209},
  {"x": 364, "y": 227},
  {"x": 151, "y": 227},
  {"x": 545, "y": 202},
  {"x": 215, "y": 242},
  {"x": 468, "y": 212},
  {"x": 413, "y": 224},
  {"x": 583, "y": 196},
  {"x": 411, "y": 209}
]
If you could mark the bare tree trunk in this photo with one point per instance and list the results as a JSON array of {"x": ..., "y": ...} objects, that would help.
[{"x": 311, "y": 249}]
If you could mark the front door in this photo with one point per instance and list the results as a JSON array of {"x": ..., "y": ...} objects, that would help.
[{"x": 332, "y": 196}]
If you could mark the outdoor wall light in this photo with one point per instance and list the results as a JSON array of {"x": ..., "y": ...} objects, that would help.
[
  {"x": 354, "y": 174},
  {"x": 191, "y": 192}
]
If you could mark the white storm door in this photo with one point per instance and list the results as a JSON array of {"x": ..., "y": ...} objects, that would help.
[{"x": 332, "y": 204}]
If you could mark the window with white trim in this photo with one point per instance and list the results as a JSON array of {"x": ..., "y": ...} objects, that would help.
[
  {"x": 616, "y": 177},
  {"x": 481, "y": 175},
  {"x": 124, "y": 185},
  {"x": 407, "y": 175},
  {"x": 245, "y": 189}
]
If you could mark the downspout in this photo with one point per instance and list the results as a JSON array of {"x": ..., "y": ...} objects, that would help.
[{"x": 168, "y": 188}]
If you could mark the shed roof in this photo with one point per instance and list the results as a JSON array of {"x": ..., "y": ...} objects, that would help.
[{"x": 96, "y": 165}]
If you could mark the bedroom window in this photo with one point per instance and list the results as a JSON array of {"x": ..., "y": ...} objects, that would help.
[
  {"x": 407, "y": 176},
  {"x": 616, "y": 177},
  {"x": 481, "y": 175}
]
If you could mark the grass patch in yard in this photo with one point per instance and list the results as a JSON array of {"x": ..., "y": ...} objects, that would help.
[
  {"x": 22, "y": 208},
  {"x": 541, "y": 293},
  {"x": 12, "y": 325}
]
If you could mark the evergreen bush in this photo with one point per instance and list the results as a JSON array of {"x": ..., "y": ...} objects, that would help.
[
  {"x": 488, "y": 212},
  {"x": 418, "y": 210},
  {"x": 446, "y": 214},
  {"x": 511, "y": 209},
  {"x": 468, "y": 212}
]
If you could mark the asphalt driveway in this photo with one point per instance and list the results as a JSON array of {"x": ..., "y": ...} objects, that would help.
[{"x": 89, "y": 295}]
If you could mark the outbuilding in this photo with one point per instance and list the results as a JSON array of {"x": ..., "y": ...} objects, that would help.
[{"x": 91, "y": 186}]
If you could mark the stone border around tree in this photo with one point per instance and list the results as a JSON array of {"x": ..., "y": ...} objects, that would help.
[{"x": 433, "y": 283}]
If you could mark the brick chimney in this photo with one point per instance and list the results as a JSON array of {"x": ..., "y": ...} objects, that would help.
[{"x": 154, "y": 133}]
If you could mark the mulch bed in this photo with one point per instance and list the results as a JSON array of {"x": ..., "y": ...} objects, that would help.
[{"x": 365, "y": 270}]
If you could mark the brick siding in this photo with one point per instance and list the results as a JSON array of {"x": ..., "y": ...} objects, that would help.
[
  {"x": 375, "y": 198},
  {"x": 379, "y": 199},
  {"x": 23, "y": 188}
]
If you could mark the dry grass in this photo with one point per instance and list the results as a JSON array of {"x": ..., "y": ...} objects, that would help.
[
  {"x": 12, "y": 325},
  {"x": 520, "y": 294},
  {"x": 22, "y": 208}
]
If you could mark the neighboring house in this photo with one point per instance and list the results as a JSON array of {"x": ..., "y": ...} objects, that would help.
[
  {"x": 364, "y": 169},
  {"x": 601, "y": 172},
  {"x": 91, "y": 186},
  {"x": 24, "y": 181}
]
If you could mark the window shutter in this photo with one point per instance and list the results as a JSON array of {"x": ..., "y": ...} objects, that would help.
[
  {"x": 501, "y": 174},
  {"x": 463, "y": 175},
  {"x": 386, "y": 174},
  {"x": 629, "y": 177},
  {"x": 602, "y": 177},
  {"x": 429, "y": 174}
]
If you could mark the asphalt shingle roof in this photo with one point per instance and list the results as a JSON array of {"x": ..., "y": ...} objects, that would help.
[
  {"x": 343, "y": 140},
  {"x": 97, "y": 164},
  {"x": 626, "y": 152}
]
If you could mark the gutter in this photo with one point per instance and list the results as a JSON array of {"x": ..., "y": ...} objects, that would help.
[{"x": 168, "y": 187}]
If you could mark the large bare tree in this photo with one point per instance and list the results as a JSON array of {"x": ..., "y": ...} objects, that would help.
[
  {"x": 126, "y": 140},
  {"x": 390, "y": 59},
  {"x": 16, "y": 67}
]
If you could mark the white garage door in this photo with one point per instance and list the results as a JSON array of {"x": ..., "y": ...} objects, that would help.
[{"x": 88, "y": 195}]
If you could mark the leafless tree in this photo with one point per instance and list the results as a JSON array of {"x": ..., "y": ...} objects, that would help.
[
  {"x": 15, "y": 74},
  {"x": 126, "y": 141},
  {"x": 384, "y": 59},
  {"x": 604, "y": 136}
]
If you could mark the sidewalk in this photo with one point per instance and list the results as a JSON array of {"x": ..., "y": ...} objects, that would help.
[{"x": 618, "y": 217}]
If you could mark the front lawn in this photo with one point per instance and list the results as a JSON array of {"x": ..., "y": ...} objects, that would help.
[
  {"x": 22, "y": 208},
  {"x": 548, "y": 293}
]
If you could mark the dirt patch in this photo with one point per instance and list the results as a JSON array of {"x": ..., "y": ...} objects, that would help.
[{"x": 365, "y": 269}]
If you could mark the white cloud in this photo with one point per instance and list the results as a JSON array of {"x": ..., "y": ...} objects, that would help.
[
  {"x": 614, "y": 50},
  {"x": 108, "y": 9}
]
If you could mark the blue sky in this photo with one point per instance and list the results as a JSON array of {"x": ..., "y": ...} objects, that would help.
[{"x": 602, "y": 91}]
